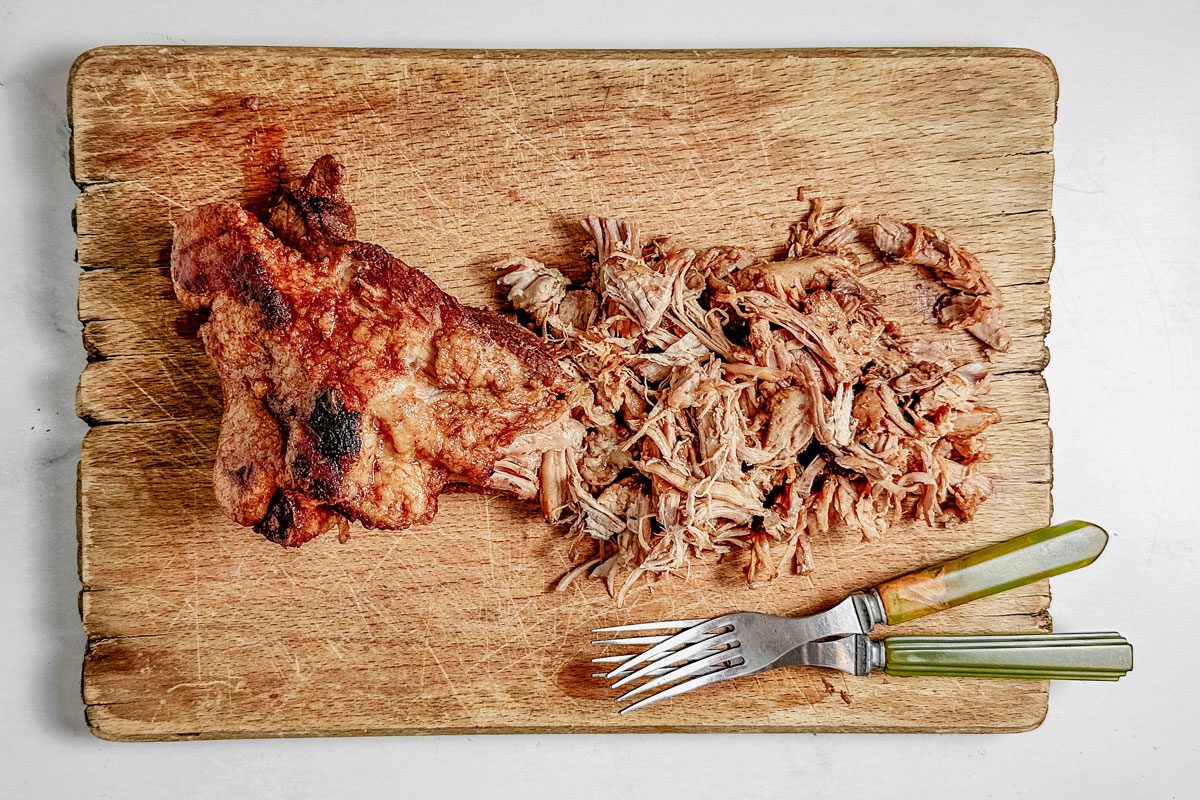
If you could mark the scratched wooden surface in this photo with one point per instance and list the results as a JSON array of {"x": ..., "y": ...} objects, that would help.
[{"x": 199, "y": 628}]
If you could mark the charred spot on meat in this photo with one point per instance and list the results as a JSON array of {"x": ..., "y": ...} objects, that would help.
[
  {"x": 277, "y": 524},
  {"x": 335, "y": 428}
]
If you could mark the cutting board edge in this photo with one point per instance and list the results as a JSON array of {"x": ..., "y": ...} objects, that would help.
[
  {"x": 107, "y": 727},
  {"x": 568, "y": 53}
]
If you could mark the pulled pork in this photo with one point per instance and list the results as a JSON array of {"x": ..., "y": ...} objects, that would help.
[{"x": 733, "y": 405}]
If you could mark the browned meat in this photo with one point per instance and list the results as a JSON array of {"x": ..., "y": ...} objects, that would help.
[
  {"x": 740, "y": 406},
  {"x": 354, "y": 388}
]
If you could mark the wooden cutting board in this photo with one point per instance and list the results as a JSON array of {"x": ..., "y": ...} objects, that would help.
[{"x": 455, "y": 159}]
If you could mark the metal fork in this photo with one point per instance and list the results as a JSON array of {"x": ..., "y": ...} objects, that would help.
[{"x": 702, "y": 652}]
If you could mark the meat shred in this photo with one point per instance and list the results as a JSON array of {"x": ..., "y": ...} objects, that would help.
[{"x": 734, "y": 406}]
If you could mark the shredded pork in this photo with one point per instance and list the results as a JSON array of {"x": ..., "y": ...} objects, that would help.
[{"x": 739, "y": 406}]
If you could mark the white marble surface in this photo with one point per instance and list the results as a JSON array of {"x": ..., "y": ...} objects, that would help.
[{"x": 1123, "y": 381}]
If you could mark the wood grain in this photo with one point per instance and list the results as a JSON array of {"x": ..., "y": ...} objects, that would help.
[{"x": 199, "y": 628}]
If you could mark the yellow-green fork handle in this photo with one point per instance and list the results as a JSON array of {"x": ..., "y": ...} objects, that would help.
[
  {"x": 1025, "y": 559},
  {"x": 1039, "y": 656}
]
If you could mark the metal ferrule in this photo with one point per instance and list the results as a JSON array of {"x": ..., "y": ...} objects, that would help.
[
  {"x": 876, "y": 656},
  {"x": 869, "y": 607}
]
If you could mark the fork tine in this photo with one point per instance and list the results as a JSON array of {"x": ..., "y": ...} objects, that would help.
[
  {"x": 659, "y": 671},
  {"x": 617, "y": 659},
  {"x": 687, "y": 686},
  {"x": 633, "y": 640},
  {"x": 693, "y": 634},
  {"x": 651, "y": 626},
  {"x": 685, "y": 654},
  {"x": 679, "y": 673},
  {"x": 620, "y": 659},
  {"x": 681, "y": 688},
  {"x": 613, "y": 659}
]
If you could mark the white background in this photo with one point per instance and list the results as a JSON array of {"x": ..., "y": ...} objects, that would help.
[{"x": 1123, "y": 381}]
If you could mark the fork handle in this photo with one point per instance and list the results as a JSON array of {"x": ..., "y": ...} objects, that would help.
[
  {"x": 1046, "y": 656},
  {"x": 1007, "y": 565}
]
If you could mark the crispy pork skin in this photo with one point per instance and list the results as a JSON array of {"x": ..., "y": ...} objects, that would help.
[{"x": 354, "y": 388}]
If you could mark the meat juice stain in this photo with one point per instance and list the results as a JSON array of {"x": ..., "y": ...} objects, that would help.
[
  {"x": 264, "y": 168},
  {"x": 575, "y": 680},
  {"x": 187, "y": 323}
]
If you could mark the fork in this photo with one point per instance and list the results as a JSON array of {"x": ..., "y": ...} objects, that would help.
[{"x": 683, "y": 655}]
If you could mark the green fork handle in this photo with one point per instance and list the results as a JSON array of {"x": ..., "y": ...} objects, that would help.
[
  {"x": 1025, "y": 559},
  {"x": 1047, "y": 656}
]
